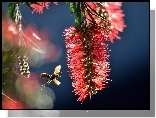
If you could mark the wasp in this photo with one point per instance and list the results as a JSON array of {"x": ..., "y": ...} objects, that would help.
[{"x": 54, "y": 77}]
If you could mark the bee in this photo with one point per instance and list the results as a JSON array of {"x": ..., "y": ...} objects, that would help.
[{"x": 54, "y": 77}]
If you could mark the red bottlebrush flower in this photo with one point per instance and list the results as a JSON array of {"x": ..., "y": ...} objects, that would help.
[
  {"x": 55, "y": 3},
  {"x": 111, "y": 12},
  {"x": 40, "y": 5},
  {"x": 116, "y": 18},
  {"x": 87, "y": 56}
]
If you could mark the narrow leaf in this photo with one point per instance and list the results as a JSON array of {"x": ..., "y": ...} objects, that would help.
[
  {"x": 5, "y": 57},
  {"x": 10, "y": 6},
  {"x": 76, "y": 21},
  {"x": 78, "y": 15},
  {"x": 72, "y": 7},
  {"x": 12, "y": 15},
  {"x": 28, "y": 4}
]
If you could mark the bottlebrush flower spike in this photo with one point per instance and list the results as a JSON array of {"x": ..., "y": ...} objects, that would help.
[
  {"x": 87, "y": 56},
  {"x": 112, "y": 12},
  {"x": 115, "y": 16},
  {"x": 39, "y": 7}
]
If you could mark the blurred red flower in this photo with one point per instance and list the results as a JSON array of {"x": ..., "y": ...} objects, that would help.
[
  {"x": 11, "y": 103},
  {"x": 9, "y": 30}
]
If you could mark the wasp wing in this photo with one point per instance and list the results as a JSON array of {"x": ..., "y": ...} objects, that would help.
[
  {"x": 57, "y": 69},
  {"x": 56, "y": 81}
]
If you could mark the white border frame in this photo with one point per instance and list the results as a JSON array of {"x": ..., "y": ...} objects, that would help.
[
  {"x": 152, "y": 4},
  {"x": 4, "y": 113}
]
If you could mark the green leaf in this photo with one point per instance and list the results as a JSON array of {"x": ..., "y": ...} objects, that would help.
[
  {"x": 5, "y": 57},
  {"x": 10, "y": 6},
  {"x": 28, "y": 4},
  {"x": 11, "y": 10},
  {"x": 5, "y": 70},
  {"x": 77, "y": 21},
  {"x": 78, "y": 15},
  {"x": 72, "y": 7},
  {"x": 12, "y": 15}
]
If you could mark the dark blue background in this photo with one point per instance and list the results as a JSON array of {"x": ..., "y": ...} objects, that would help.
[{"x": 129, "y": 59}]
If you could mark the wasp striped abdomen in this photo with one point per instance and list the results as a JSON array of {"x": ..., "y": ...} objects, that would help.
[{"x": 45, "y": 75}]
